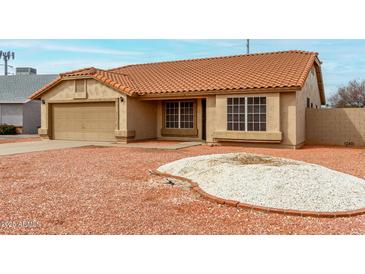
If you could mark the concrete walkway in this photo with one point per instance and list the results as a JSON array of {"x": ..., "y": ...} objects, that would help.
[
  {"x": 165, "y": 146},
  {"x": 18, "y": 136},
  {"x": 25, "y": 147},
  {"x": 15, "y": 148}
]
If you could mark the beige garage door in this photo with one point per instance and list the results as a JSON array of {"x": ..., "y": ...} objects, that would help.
[{"x": 83, "y": 121}]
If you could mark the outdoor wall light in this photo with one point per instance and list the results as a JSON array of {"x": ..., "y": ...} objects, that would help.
[
  {"x": 121, "y": 99},
  {"x": 43, "y": 102}
]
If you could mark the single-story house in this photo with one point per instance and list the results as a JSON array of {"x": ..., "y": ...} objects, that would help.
[
  {"x": 15, "y": 107},
  {"x": 253, "y": 98}
]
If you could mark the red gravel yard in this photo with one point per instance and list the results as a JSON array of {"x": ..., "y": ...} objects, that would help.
[{"x": 108, "y": 190}]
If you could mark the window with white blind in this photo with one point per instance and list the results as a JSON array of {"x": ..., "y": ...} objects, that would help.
[
  {"x": 179, "y": 114},
  {"x": 246, "y": 114}
]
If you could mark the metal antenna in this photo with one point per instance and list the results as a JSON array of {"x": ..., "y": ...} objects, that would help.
[
  {"x": 6, "y": 56},
  {"x": 248, "y": 45}
]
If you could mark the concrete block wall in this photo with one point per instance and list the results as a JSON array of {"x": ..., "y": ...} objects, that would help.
[{"x": 337, "y": 126}]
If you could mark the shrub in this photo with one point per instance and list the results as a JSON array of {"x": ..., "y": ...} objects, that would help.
[{"x": 7, "y": 129}]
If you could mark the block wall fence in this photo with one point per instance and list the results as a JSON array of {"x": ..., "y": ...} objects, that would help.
[{"x": 337, "y": 126}]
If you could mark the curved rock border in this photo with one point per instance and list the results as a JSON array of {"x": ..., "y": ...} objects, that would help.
[{"x": 238, "y": 204}]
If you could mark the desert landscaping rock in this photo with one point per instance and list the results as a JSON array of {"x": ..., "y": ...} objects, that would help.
[
  {"x": 272, "y": 182},
  {"x": 109, "y": 190}
]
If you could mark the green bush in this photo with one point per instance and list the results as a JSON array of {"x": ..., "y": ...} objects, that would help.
[{"x": 7, "y": 129}]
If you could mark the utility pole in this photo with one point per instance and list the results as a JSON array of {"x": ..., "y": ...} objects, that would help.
[
  {"x": 248, "y": 45},
  {"x": 6, "y": 56}
]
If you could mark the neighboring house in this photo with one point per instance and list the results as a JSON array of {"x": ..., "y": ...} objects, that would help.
[
  {"x": 255, "y": 98},
  {"x": 15, "y": 107}
]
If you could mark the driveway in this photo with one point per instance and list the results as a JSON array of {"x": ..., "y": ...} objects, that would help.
[
  {"x": 29, "y": 146},
  {"x": 18, "y": 136},
  {"x": 108, "y": 190},
  {"x": 4, "y": 139},
  {"x": 24, "y": 147}
]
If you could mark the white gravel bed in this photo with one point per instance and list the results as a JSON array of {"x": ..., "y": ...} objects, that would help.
[{"x": 272, "y": 182}]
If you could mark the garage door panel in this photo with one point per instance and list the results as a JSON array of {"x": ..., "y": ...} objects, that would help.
[{"x": 84, "y": 121}]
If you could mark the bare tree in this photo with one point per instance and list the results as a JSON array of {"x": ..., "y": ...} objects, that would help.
[{"x": 352, "y": 95}]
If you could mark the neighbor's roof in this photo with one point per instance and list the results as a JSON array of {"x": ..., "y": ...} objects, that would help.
[
  {"x": 17, "y": 88},
  {"x": 286, "y": 69}
]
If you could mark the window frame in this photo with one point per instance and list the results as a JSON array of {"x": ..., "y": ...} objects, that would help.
[
  {"x": 230, "y": 123},
  {"x": 179, "y": 114},
  {"x": 236, "y": 110}
]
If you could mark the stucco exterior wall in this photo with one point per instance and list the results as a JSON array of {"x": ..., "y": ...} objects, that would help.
[
  {"x": 210, "y": 118},
  {"x": 31, "y": 117},
  {"x": 94, "y": 92},
  {"x": 311, "y": 91},
  {"x": 272, "y": 110},
  {"x": 135, "y": 119},
  {"x": 337, "y": 126},
  {"x": 217, "y": 120},
  {"x": 122, "y": 123},
  {"x": 288, "y": 118},
  {"x": 199, "y": 118},
  {"x": 281, "y": 120},
  {"x": 160, "y": 126},
  {"x": 142, "y": 118},
  {"x": 11, "y": 114},
  {"x": 159, "y": 119},
  {"x": 65, "y": 91},
  {"x": 138, "y": 119},
  {"x": 44, "y": 129}
]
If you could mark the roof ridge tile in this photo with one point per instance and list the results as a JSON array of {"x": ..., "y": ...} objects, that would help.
[{"x": 92, "y": 69}]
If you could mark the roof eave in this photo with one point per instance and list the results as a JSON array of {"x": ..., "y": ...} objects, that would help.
[
  {"x": 320, "y": 80},
  {"x": 314, "y": 61},
  {"x": 117, "y": 87},
  {"x": 219, "y": 92}
]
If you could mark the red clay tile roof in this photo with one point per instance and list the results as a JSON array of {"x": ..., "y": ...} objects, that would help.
[
  {"x": 118, "y": 81},
  {"x": 251, "y": 71},
  {"x": 264, "y": 70}
]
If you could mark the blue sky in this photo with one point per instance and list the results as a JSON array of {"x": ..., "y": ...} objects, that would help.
[{"x": 343, "y": 60}]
